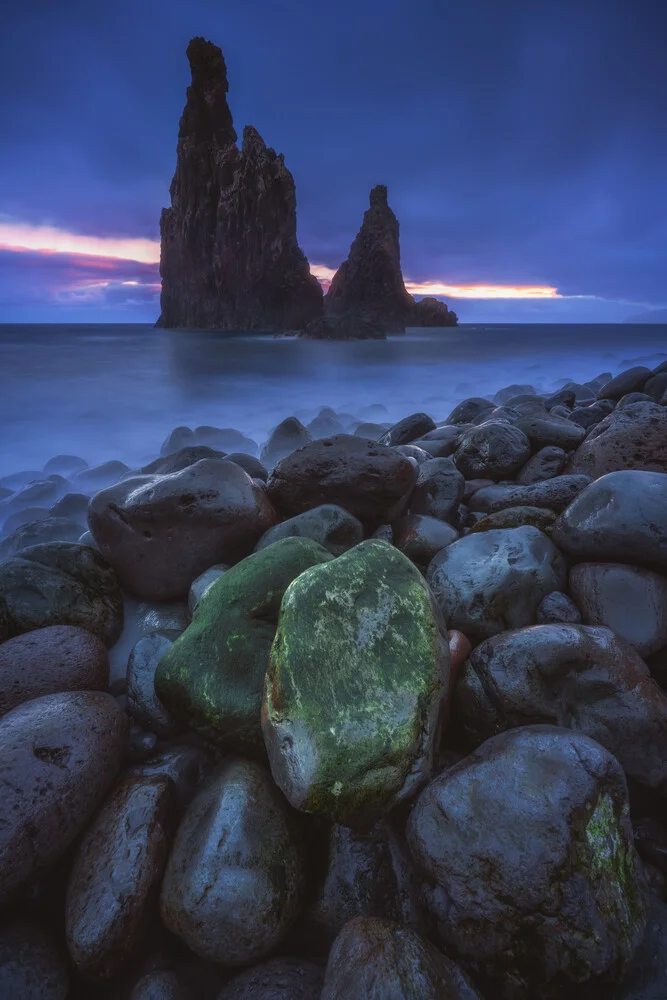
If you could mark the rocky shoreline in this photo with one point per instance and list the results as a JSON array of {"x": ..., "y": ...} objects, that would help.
[{"x": 381, "y": 713}]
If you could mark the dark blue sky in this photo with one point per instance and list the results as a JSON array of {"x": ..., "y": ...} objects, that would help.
[{"x": 523, "y": 143}]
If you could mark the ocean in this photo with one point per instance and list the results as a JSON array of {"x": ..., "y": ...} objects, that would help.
[{"x": 115, "y": 391}]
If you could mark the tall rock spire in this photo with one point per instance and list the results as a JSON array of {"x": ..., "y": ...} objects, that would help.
[{"x": 229, "y": 253}]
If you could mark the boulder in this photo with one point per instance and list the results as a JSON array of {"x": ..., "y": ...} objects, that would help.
[
  {"x": 212, "y": 677},
  {"x": 115, "y": 877},
  {"x": 65, "y": 465},
  {"x": 250, "y": 464},
  {"x": 58, "y": 756},
  {"x": 492, "y": 450},
  {"x": 185, "y": 765},
  {"x": 621, "y": 517},
  {"x": 631, "y": 380},
  {"x": 469, "y": 411},
  {"x": 419, "y": 537},
  {"x": 233, "y": 885},
  {"x": 439, "y": 489},
  {"x": 529, "y": 864},
  {"x": 515, "y": 517},
  {"x": 408, "y": 429},
  {"x": 554, "y": 494},
  {"x": 40, "y": 532},
  {"x": 142, "y": 702},
  {"x": 575, "y": 676},
  {"x": 50, "y": 660},
  {"x": 356, "y": 686},
  {"x": 31, "y": 964},
  {"x": 60, "y": 583},
  {"x": 494, "y": 580},
  {"x": 178, "y": 460},
  {"x": 161, "y": 532},
  {"x": 591, "y": 415},
  {"x": 430, "y": 311},
  {"x": 229, "y": 254},
  {"x": 557, "y": 608},
  {"x": 26, "y": 515},
  {"x": 41, "y": 493},
  {"x": 200, "y": 585},
  {"x": 632, "y": 437},
  {"x": 289, "y": 435},
  {"x": 370, "y": 480},
  {"x": 73, "y": 506},
  {"x": 544, "y": 431},
  {"x": 629, "y": 600},
  {"x": 544, "y": 464},
  {"x": 101, "y": 476},
  {"x": 329, "y": 525},
  {"x": 277, "y": 979}
]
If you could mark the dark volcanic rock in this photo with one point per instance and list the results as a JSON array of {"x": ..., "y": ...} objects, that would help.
[
  {"x": 632, "y": 437},
  {"x": 31, "y": 966},
  {"x": 493, "y": 450},
  {"x": 176, "y": 461},
  {"x": 409, "y": 429},
  {"x": 289, "y": 435},
  {"x": 545, "y": 464},
  {"x": 557, "y": 608},
  {"x": 142, "y": 702},
  {"x": 277, "y": 979},
  {"x": 419, "y": 537},
  {"x": 161, "y": 532},
  {"x": 439, "y": 489},
  {"x": 58, "y": 756},
  {"x": 589, "y": 416},
  {"x": 370, "y": 283},
  {"x": 515, "y": 517},
  {"x": 554, "y": 494},
  {"x": 629, "y": 600},
  {"x": 330, "y": 525},
  {"x": 60, "y": 583},
  {"x": 41, "y": 532},
  {"x": 229, "y": 253},
  {"x": 469, "y": 410},
  {"x": 186, "y": 766},
  {"x": 430, "y": 311},
  {"x": 369, "y": 480},
  {"x": 115, "y": 877},
  {"x": 48, "y": 660},
  {"x": 101, "y": 475},
  {"x": 348, "y": 326},
  {"x": 632, "y": 380},
  {"x": 65, "y": 465}
]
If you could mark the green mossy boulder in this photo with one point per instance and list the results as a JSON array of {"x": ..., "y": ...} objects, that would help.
[
  {"x": 356, "y": 685},
  {"x": 212, "y": 677}
]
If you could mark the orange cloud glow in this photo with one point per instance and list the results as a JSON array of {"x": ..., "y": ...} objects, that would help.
[{"x": 48, "y": 239}]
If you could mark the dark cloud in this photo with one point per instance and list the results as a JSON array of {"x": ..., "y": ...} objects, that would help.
[{"x": 522, "y": 142}]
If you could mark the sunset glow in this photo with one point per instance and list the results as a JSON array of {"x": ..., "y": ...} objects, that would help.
[{"x": 48, "y": 239}]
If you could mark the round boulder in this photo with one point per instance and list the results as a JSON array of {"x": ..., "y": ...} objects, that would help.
[
  {"x": 632, "y": 437},
  {"x": 277, "y": 979},
  {"x": 627, "y": 599},
  {"x": 439, "y": 489},
  {"x": 334, "y": 528},
  {"x": 142, "y": 702},
  {"x": 492, "y": 450},
  {"x": 289, "y": 435},
  {"x": 544, "y": 464}
]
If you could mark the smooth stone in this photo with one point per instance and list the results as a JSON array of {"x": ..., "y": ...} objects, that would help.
[
  {"x": 447, "y": 436},
  {"x": 560, "y": 411},
  {"x": 593, "y": 414},
  {"x": 101, "y": 476},
  {"x": 41, "y": 532},
  {"x": 115, "y": 876},
  {"x": 460, "y": 649},
  {"x": 289, "y": 435},
  {"x": 646, "y": 976},
  {"x": 631, "y": 380},
  {"x": 50, "y": 660},
  {"x": 553, "y": 494},
  {"x": 494, "y": 580},
  {"x": 161, "y": 985},
  {"x": 492, "y": 450},
  {"x": 509, "y": 392},
  {"x": 60, "y": 583},
  {"x": 633, "y": 437},
  {"x": 621, "y": 517},
  {"x": 142, "y": 702},
  {"x": 277, "y": 979},
  {"x": 224, "y": 439},
  {"x": 408, "y": 429},
  {"x": 582, "y": 392},
  {"x": 329, "y": 525},
  {"x": 527, "y": 852},
  {"x": 212, "y": 677},
  {"x": 249, "y": 464},
  {"x": 575, "y": 676},
  {"x": 180, "y": 437},
  {"x": 469, "y": 410},
  {"x": 356, "y": 686},
  {"x": 185, "y": 765},
  {"x": 161, "y": 532},
  {"x": 419, "y": 537},
  {"x": 369, "y": 480},
  {"x": 420, "y": 455},
  {"x": 629, "y": 600},
  {"x": 234, "y": 884},
  {"x": 544, "y": 464},
  {"x": 65, "y": 465},
  {"x": 515, "y": 517},
  {"x": 378, "y": 959},
  {"x": 557, "y": 608},
  {"x": 73, "y": 506},
  {"x": 41, "y": 493},
  {"x": 655, "y": 386},
  {"x": 472, "y": 485},
  {"x": 438, "y": 490},
  {"x": 179, "y": 460},
  {"x": 58, "y": 756},
  {"x": 31, "y": 965},
  {"x": 205, "y": 580},
  {"x": 17, "y": 480},
  {"x": 370, "y": 430},
  {"x": 563, "y": 397},
  {"x": 323, "y": 426},
  {"x": 635, "y": 397},
  {"x": 25, "y": 516},
  {"x": 551, "y": 431}
]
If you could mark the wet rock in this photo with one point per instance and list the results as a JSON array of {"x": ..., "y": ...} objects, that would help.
[
  {"x": 58, "y": 756},
  {"x": 492, "y": 450},
  {"x": 249, "y": 464},
  {"x": 73, "y": 506},
  {"x": 370, "y": 480},
  {"x": 59, "y": 584},
  {"x": 101, "y": 476},
  {"x": 553, "y": 494},
  {"x": 277, "y": 979},
  {"x": 544, "y": 464},
  {"x": 212, "y": 677},
  {"x": 49, "y": 660},
  {"x": 38, "y": 494},
  {"x": 635, "y": 397},
  {"x": 408, "y": 429},
  {"x": 24, "y": 516},
  {"x": 184, "y": 765},
  {"x": 583, "y": 393},
  {"x": 370, "y": 431},
  {"x": 224, "y": 439},
  {"x": 115, "y": 877},
  {"x": 447, "y": 434},
  {"x": 381, "y": 960},
  {"x": 526, "y": 848},
  {"x": 494, "y": 580},
  {"x": 161, "y": 532},
  {"x": 633, "y": 437},
  {"x": 65, "y": 465},
  {"x": 41, "y": 532},
  {"x": 472, "y": 485},
  {"x": 469, "y": 410},
  {"x": 551, "y": 431},
  {"x": 16, "y": 480},
  {"x": 516, "y": 517},
  {"x": 510, "y": 391},
  {"x": 627, "y": 599},
  {"x": 573, "y": 676},
  {"x": 430, "y": 311},
  {"x": 142, "y": 702},
  {"x": 656, "y": 386},
  {"x": 233, "y": 885},
  {"x": 564, "y": 397},
  {"x": 439, "y": 489},
  {"x": 591, "y": 415},
  {"x": 179, "y": 460},
  {"x": 557, "y": 608},
  {"x": 229, "y": 253},
  {"x": 329, "y": 525},
  {"x": 419, "y": 537},
  {"x": 632, "y": 380},
  {"x": 646, "y": 976},
  {"x": 460, "y": 648},
  {"x": 284, "y": 439},
  {"x": 343, "y": 740},
  {"x": 420, "y": 455},
  {"x": 199, "y": 586},
  {"x": 31, "y": 965},
  {"x": 162, "y": 985},
  {"x": 621, "y": 517},
  {"x": 325, "y": 425}
]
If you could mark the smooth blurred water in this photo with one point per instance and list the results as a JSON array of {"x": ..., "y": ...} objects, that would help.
[{"x": 115, "y": 391}]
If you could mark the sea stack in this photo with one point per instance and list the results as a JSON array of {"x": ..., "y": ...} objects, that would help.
[
  {"x": 369, "y": 283},
  {"x": 229, "y": 257}
]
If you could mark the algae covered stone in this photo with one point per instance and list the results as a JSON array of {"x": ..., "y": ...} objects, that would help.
[
  {"x": 212, "y": 677},
  {"x": 356, "y": 685}
]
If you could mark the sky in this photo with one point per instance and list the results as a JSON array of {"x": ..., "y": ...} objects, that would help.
[{"x": 523, "y": 144}]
